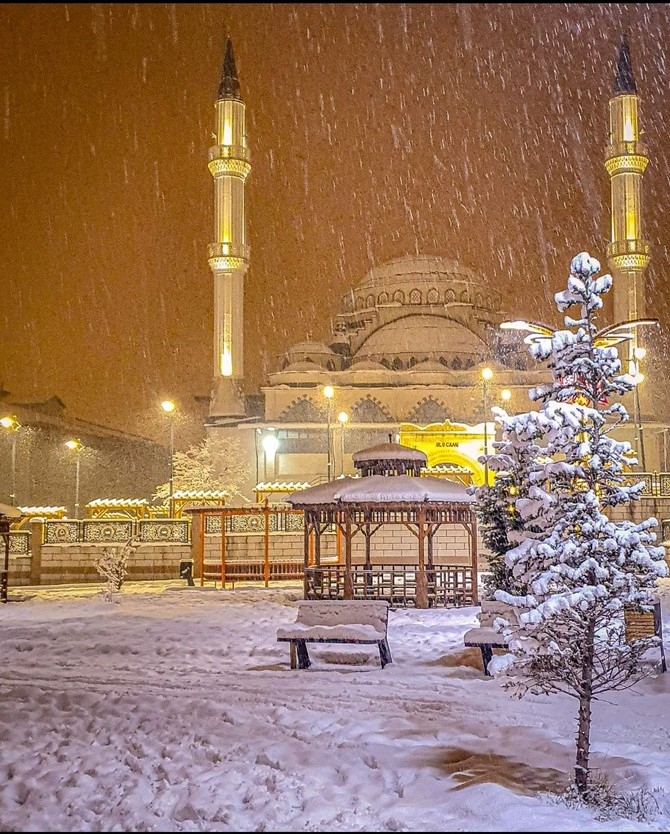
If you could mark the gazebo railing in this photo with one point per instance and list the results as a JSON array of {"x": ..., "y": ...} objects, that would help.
[{"x": 448, "y": 585}]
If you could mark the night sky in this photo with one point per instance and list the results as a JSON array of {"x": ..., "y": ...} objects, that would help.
[{"x": 474, "y": 132}]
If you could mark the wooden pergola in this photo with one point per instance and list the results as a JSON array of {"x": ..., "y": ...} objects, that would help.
[{"x": 364, "y": 505}]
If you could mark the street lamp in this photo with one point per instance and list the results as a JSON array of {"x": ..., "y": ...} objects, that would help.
[
  {"x": 169, "y": 408},
  {"x": 634, "y": 368},
  {"x": 13, "y": 425},
  {"x": 329, "y": 393},
  {"x": 270, "y": 446},
  {"x": 76, "y": 446},
  {"x": 614, "y": 334},
  {"x": 343, "y": 418},
  {"x": 487, "y": 376}
]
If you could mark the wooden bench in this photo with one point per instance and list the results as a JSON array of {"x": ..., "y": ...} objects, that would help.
[
  {"x": 638, "y": 624},
  {"x": 336, "y": 621},
  {"x": 484, "y": 636}
]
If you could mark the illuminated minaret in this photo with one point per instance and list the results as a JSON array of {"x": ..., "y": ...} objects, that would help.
[
  {"x": 625, "y": 161},
  {"x": 228, "y": 256}
]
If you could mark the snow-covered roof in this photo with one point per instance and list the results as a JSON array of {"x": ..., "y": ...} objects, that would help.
[
  {"x": 118, "y": 502},
  {"x": 389, "y": 451},
  {"x": 383, "y": 489}
]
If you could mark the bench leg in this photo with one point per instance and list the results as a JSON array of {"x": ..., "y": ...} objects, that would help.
[
  {"x": 299, "y": 648},
  {"x": 487, "y": 654},
  {"x": 384, "y": 653}
]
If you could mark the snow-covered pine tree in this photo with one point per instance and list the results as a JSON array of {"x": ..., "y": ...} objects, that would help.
[
  {"x": 497, "y": 516},
  {"x": 579, "y": 568}
]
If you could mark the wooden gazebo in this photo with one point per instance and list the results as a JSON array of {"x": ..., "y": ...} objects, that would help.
[{"x": 384, "y": 497}]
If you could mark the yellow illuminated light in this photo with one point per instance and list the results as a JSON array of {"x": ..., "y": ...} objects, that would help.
[
  {"x": 168, "y": 406},
  {"x": 329, "y": 392},
  {"x": 628, "y": 130},
  {"x": 487, "y": 374},
  {"x": 505, "y": 394},
  {"x": 227, "y": 134},
  {"x": 73, "y": 444},
  {"x": 226, "y": 362},
  {"x": 343, "y": 417},
  {"x": 9, "y": 423}
]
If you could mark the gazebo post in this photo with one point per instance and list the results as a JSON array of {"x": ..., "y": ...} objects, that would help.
[
  {"x": 421, "y": 584},
  {"x": 306, "y": 545},
  {"x": 348, "y": 584}
]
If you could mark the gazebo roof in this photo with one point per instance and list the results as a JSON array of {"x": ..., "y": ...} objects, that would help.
[
  {"x": 383, "y": 489},
  {"x": 389, "y": 451}
]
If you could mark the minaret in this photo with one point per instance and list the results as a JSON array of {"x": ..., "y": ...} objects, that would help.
[
  {"x": 625, "y": 161},
  {"x": 228, "y": 256}
]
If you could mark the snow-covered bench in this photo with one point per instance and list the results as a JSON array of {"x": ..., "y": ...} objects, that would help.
[
  {"x": 484, "y": 636},
  {"x": 336, "y": 621}
]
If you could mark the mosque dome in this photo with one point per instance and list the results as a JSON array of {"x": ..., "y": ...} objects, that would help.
[{"x": 414, "y": 340}]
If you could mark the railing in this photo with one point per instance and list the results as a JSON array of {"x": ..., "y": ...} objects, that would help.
[
  {"x": 102, "y": 531},
  {"x": 448, "y": 585},
  {"x": 257, "y": 571}
]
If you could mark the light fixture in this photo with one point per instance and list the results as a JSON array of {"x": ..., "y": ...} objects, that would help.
[
  {"x": 13, "y": 425},
  {"x": 343, "y": 419},
  {"x": 329, "y": 393},
  {"x": 76, "y": 446},
  {"x": 169, "y": 408}
]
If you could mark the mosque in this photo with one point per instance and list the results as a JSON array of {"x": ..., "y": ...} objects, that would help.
[{"x": 417, "y": 354}]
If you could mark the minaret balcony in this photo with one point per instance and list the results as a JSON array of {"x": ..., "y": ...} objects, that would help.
[
  {"x": 227, "y": 257},
  {"x": 628, "y": 247}
]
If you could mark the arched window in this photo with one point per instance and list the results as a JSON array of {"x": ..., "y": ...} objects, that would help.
[
  {"x": 399, "y": 296},
  {"x": 433, "y": 296},
  {"x": 397, "y": 364},
  {"x": 415, "y": 297}
]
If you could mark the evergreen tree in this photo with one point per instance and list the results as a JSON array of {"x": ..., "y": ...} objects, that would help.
[{"x": 578, "y": 569}]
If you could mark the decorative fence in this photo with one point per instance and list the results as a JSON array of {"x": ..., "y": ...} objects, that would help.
[
  {"x": 178, "y": 530},
  {"x": 448, "y": 585}
]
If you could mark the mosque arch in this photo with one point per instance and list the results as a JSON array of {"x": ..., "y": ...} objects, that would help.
[
  {"x": 302, "y": 410},
  {"x": 370, "y": 410},
  {"x": 427, "y": 411}
]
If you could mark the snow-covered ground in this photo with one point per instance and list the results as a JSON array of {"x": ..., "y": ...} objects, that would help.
[{"x": 175, "y": 709}]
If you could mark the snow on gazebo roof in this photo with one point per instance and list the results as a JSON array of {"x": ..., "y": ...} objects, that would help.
[
  {"x": 382, "y": 489},
  {"x": 389, "y": 451}
]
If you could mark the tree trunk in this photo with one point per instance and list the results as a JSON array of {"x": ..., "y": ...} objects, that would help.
[{"x": 584, "y": 720}]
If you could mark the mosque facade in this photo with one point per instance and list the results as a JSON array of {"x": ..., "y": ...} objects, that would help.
[{"x": 417, "y": 355}]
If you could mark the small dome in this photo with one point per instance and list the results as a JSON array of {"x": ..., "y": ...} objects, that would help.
[
  {"x": 301, "y": 367},
  {"x": 309, "y": 349}
]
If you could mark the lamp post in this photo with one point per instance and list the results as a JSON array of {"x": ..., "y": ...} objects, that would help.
[
  {"x": 487, "y": 376},
  {"x": 343, "y": 418},
  {"x": 76, "y": 446},
  {"x": 169, "y": 408},
  {"x": 13, "y": 425},
  {"x": 638, "y": 354},
  {"x": 329, "y": 393}
]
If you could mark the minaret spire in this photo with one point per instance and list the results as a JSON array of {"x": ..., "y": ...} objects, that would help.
[
  {"x": 623, "y": 78},
  {"x": 229, "y": 87},
  {"x": 228, "y": 256}
]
